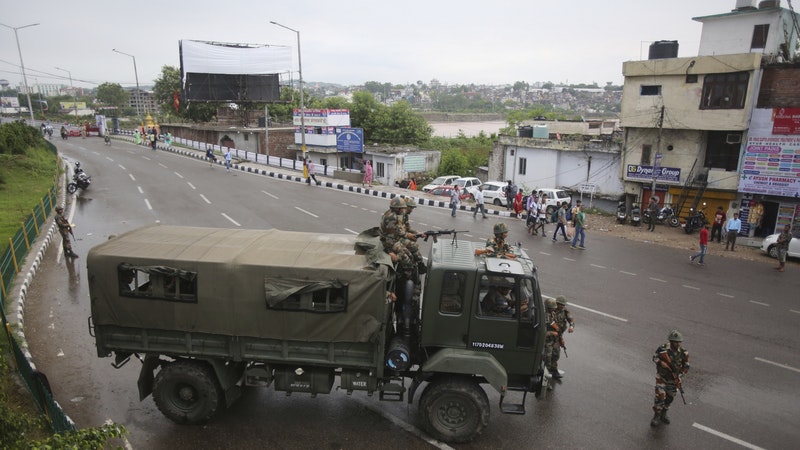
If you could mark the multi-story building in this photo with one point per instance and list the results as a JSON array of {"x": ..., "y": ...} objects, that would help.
[
  {"x": 721, "y": 128},
  {"x": 142, "y": 101}
]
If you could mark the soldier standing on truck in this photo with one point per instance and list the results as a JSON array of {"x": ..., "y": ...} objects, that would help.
[
  {"x": 393, "y": 232},
  {"x": 496, "y": 246}
]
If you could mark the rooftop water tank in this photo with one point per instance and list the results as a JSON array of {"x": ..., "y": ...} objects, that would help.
[
  {"x": 541, "y": 132},
  {"x": 526, "y": 131},
  {"x": 744, "y": 5},
  {"x": 663, "y": 50}
]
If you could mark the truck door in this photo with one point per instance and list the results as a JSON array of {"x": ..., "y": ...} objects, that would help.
[{"x": 502, "y": 322}]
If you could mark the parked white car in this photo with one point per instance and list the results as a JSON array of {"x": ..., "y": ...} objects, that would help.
[
  {"x": 470, "y": 184},
  {"x": 768, "y": 246},
  {"x": 554, "y": 196},
  {"x": 446, "y": 180},
  {"x": 494, "y": 193}
]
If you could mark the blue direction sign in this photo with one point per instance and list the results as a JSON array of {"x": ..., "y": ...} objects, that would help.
[{"x": 350, "y": 140}]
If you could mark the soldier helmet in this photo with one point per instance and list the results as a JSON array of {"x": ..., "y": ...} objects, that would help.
[
  {"x": 561, "y": 300},
  {"x": 410, "y": 202},
  {"x": 500, "y": 228},
  {"x": 675, "y": 336},
  {"x": 397, "y": 202},
  {"x": 550, "y": 303},
  {"x": 59, "y": 209}
]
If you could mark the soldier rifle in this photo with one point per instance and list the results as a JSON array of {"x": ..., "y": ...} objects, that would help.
[
  {"x": 675, "y": 373},
  {"x": 436, "y": 233}
]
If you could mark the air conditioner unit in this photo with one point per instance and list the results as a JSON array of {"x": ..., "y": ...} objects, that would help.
[{"x": 733, "y": 138}]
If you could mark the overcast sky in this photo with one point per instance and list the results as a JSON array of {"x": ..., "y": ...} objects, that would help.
[{"x": 351, "y": 42}]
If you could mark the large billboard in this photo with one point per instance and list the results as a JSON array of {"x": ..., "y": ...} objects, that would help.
[{"x": 226, "y": 72}]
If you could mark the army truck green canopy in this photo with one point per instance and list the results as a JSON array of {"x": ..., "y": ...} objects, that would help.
[{"x": 252, "y": 283}]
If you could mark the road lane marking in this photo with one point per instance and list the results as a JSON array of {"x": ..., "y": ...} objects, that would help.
[
  {"x": 121, "y": 167},
  {"x": 598, "y": 266},
  {"x": 204, "y": 198},
  {"x": 796, "y": 312},
  {"x": 147, "y": 202},
  {"x": 759, "y": 303},
  {"x": 107, "y": 157},
  {"x": 398, "y": 422},
  {"x": 545, "y": 254},
  {"x": 724, "y": 295},
  {"x": 309, "y": 213},
  {"x": 229, "y": 218},
  {"x": 273, "y": 196},
  {"x": 726, "y": 436},
  {"x": 191, "y": 185},
  {"x": 691, "y": 287},
  {"x": 132, "y": 177},
  {"x": 598, "y": 312},
  {"x": 351, "y": 231},
  {"x": 162, "y": 165},
  {"x": 658, "y": 279},
  {"x": 782, "y": 366},
  {"x": 569, "y": 259},
  {"x": 141, "y": 191},
  {"x": 627, "y": 273},
  {"x": 179, "y": 175}
]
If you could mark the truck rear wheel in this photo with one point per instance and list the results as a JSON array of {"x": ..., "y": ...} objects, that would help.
[
  {"x": 187, "y": 392},
  {"x": 454, "y": 409}
]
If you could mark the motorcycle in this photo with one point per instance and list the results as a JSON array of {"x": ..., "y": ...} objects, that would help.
[
  {"x": 79, "y": 180},
  {"x": 622, "y": 213},
  {"x": 696, "y": 220},
  {"x": 667, "y": 215},
  {"x": 636, "y": 215}
]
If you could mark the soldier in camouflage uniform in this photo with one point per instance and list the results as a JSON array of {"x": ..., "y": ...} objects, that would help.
[
  {"x": 565, "y": 323},
  {"x": 412, "y": 235},
  {"x": 496, "y": 246},
  {"x": 65, "y": 229},
  {"x": 672, "y": 362},
  {"x": 394, "y": 235},
  {"x": 551, "y": 343}
]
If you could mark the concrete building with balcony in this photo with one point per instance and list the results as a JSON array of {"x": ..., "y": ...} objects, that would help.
[{"x": 710, "y": 129}]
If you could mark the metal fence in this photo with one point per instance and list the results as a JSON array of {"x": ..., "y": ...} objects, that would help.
[{"x": 10, "y": 265}]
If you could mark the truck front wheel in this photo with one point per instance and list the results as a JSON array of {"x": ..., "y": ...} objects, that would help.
[
  {"x": 454, "y": 409},
  {"x": 187, "y": 392}
]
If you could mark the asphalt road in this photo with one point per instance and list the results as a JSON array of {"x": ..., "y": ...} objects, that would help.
[{"x": 739, "y": 319}]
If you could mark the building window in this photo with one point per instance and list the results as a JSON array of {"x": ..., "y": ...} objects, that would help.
[
  {"x": 646, "y": 150},
  {"x": 691, "y": 78},
  {"x": 523, "y": 166},
  {"x": 760, "y": 33},
  {"x": 380, "y": 170},
  {"x": 650, "y": 90},
  {"x": 722, "y": 152},
  {"x": 724, "y": 91},
  {"x": 247, "y": 137},
  {"x": 323, "y": 161}
]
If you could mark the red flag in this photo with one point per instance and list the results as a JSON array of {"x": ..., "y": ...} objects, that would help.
[{"x": 176, "y": 100}]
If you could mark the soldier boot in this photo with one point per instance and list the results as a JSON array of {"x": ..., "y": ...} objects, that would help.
[
  {"x": 655, "y": 421},
  {"x": 664, "y": 417}
]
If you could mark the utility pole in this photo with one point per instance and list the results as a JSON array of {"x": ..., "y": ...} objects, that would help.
[{"x": 657, "y": 156}]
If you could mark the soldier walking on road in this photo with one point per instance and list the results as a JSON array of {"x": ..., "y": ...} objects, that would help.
[
  {"x": 566, "y": 323},
  {"x": 672, "y": 362},
  {"x": 551, "y": 342},
  {"x": 65, "y": 229}
]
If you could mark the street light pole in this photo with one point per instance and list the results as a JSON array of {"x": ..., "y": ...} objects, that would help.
[
  {"x": 302, "y": 100},
  {"x": 22, "y": 64},
  {"x": 136, "y": 74},
  {"x": 74, "y": 94}
]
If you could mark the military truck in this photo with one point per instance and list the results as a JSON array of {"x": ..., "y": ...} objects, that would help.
[{"x": 208, "y": 311}]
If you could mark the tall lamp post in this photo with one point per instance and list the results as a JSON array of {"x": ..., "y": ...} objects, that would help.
[
  {"x": 136, "y": 74},
  {"x": 74, "y": 95},
  {"x": 22, "y": 64},
  {"x": 302, "y": 100}
]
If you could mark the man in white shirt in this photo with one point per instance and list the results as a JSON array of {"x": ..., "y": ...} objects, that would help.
[{"x": 479, "y": 203}]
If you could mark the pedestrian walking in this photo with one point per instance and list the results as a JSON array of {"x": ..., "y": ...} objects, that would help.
[
  {"x": 561, "y": 221},
  {"x": 732, "y": 229},
  {"x": 652, "y": 211},
  {"x": 367, "y": 174},
  {"x": 782, "y": 245},
  {"x": 479, "y": 203},
  {"x": 168, "y": 140},
  {"x": 228, "y": 158},
  {"x": 703, "y": 246},
  {"x": 579, "y": 219},
  {"x": 454, "y": 199},
  {"x": 672, "y": 362},
  {"x": 311, "y": 174}
]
